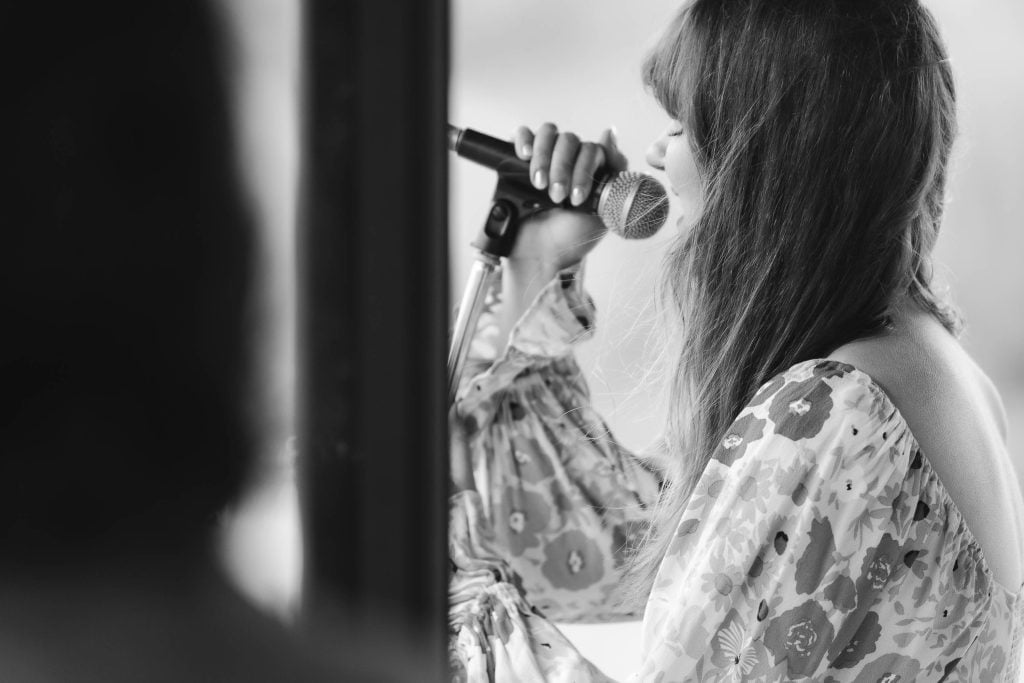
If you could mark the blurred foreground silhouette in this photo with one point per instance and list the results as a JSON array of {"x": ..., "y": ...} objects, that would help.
[{"x": 126, "y": 277}]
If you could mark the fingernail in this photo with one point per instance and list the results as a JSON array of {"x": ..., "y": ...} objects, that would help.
[
  {"x": 615, "y": 134},
  {"x": 540, "y": 179},
  {"x": 577, "y": 196},
  {"x": 527, "y": 150},
  {"x": 557, "y": 192}
]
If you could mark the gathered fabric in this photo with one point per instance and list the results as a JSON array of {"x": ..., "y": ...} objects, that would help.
[{"x": 819, "y": 543}]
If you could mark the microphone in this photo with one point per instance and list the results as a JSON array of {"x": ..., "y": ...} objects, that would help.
[{"x": 632, "y": 205}]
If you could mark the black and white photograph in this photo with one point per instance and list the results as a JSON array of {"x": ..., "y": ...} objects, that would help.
[{"x": 543, "y": 342}]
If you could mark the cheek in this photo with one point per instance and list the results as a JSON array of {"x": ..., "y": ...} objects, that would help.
[{"x": 682, "y": 172}]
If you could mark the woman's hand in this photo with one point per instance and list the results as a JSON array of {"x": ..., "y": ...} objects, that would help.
[
  {"x": 555, "y": 239},
  {"x": 564, "y": 166}
]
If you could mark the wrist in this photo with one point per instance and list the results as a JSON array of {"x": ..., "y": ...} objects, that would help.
[
  {"x": 524, "y": 270},
  {"x": 522, "y": 281}
]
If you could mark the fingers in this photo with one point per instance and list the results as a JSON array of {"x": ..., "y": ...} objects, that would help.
[
  {"x": 563, "y": 160},
  {"x": 523, "y": 141},
  {"x": 616, "y": 160},
  {"x": 562, "y": 164},
  {"x": 543, "y": 146},
  {"x": 591, "y": 157}
]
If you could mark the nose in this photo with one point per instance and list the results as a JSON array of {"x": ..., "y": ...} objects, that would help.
[{"x": 656, "y": 153}]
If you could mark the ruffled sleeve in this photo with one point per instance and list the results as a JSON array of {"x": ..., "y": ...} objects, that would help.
[
  {"x": 566, "y": 503},
  {"x": 561, "y": 316},
  {"x": 790, "y": 540},
  {"x": 495, "y": 635}
]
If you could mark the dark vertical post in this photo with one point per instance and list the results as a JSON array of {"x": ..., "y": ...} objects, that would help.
[{"x": 374, "y": 315}]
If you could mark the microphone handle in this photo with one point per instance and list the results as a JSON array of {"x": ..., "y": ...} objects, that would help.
[
  {"x": 482, "y": 149},
  {"x": 500, "y": 156}
]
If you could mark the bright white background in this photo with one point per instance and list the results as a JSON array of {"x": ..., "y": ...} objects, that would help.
[{"x": 577, "y": 63}]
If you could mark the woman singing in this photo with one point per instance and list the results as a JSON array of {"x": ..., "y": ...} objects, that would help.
[{"x": 832, "y": 499}]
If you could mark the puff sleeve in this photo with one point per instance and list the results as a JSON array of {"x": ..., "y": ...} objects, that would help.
[
  {"x": 565, "y": 501},
  {"x": 494, "y": 634}
]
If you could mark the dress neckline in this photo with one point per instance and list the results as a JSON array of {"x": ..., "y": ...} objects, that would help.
[{"x": 876, "y": 388}]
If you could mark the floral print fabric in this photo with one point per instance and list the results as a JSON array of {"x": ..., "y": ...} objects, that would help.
[
  {"x": 565, "y": 501},
  {"x": 495, "y": 634},
  {"x": 819, "y": 544}
]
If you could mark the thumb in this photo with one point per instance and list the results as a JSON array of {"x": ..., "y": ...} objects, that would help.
[{"x": 617, "y": 161}]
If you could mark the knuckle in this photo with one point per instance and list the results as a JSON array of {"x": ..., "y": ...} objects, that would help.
[
  {"x": 561, "y": 169},
  {"x": 589, "y": 160},
  {"x": 582, "y": 179},
  {"x": 583, "y": 172},
  {"x": 560, "y": 173}
]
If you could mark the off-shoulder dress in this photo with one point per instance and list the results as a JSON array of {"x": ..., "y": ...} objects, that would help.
[{"x": 819, "y": 543}]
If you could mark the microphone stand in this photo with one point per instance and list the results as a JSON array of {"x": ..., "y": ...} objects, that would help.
[
  {"x": 515, "y": 199},
  {"x": 509, "y": 206}
]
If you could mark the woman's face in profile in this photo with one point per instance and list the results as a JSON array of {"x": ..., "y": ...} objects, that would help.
[{"x": 671, "y": 153}]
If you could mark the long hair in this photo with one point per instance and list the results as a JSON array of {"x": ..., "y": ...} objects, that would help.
[{"x": 822, "y": 131}]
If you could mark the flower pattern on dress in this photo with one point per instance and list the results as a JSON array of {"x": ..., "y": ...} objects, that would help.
[
  {"x": 525, "y": 515},
  {"x": 819, "y": 543},
  {"x": 541, "y": 454},
  {"x": 881, "y": 566},
  {"x": 573, "y": 561},
  {"x": 736, "y": 651},
  {"x": 734, "y": 444},
  {"x": 800, "y": 637},
  {"x": 848, "y": 654},
  {"x": 842, "y": 593},
  {"x": 890, "y": 668},
  {"x": 529, "y": 464},
  {"x": 840, "y": 549},
  {"x": 816, "y": 559},
  {"x": 799, "y": 410}
]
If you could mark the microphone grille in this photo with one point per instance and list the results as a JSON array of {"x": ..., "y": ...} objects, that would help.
[{"x": 633, "y": 205}]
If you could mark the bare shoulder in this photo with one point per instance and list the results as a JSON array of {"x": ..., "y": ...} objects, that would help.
[
  {"x": 947, "y": 400},
  {"x": 957, "y": 417}
]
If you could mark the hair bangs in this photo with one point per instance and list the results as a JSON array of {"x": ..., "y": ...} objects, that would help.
[{"x": 668, "y": 69}]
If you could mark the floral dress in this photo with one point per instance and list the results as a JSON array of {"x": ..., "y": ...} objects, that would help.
[{"x": 819, "y": 543}]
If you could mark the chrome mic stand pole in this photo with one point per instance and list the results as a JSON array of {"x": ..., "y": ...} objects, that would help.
[
  {"x": 514, "y": 200},
  {"x": 495, "y": 240},
  {"x": 630, "y": 204}
]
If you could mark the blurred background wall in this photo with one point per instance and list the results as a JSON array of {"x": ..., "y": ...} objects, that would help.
[{"x": 576, "y": 63}]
